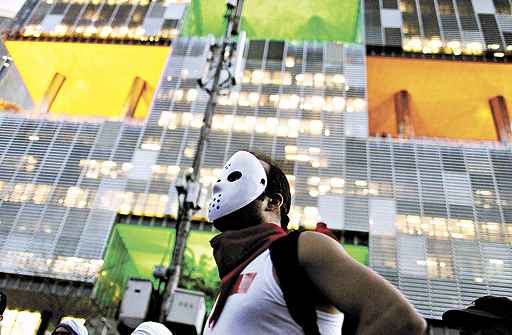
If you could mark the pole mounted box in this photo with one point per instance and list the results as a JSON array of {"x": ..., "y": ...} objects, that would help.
[
  {"x": 187, "y": 312},
  {"x": 135, "y": 303}
]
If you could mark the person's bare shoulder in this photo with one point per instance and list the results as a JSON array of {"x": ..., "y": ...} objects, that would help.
[
  {"x": 354, "y": 288},
  {"x": 317, "y": 248}
]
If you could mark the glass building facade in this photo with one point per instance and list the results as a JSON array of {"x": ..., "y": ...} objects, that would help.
[
  {"x": 5, "y": 23},
  {"x": 438, "y": 212},
  {"x": 118, "y": 19},
  {"x": 54, "y": 219},
  {"x": 292, "y": 103},
  {"x": 441, "y": 230},
  {"x": 63, "y": 182},
  {"x": 469, "y": 27}
]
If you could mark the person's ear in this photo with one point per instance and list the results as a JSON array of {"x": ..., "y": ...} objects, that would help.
[{"x": 275, "y": 202}]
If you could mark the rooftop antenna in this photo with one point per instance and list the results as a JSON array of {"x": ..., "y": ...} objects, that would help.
[{"x": 219, "y": 79}]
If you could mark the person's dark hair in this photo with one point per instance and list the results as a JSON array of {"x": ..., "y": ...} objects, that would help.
[{"x": 276, "y": 183}]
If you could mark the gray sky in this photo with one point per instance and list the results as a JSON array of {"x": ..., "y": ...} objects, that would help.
[{"x": 10, "y": 7}]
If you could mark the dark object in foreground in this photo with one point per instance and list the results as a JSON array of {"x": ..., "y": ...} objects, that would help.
[
  {"x": 3, "y": 305},
  {"x": 487, "y": 315}
]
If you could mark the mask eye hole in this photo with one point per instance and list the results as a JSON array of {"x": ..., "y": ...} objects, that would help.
[
  {"x": 234, "y": 176},
  {"x": 262, "y": 181}
]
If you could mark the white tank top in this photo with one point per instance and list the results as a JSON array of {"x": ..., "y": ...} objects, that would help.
[{"x": 257, "y": 307}]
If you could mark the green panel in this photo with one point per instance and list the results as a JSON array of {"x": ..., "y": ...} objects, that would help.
[
  {"x": 118, "y": 266},
  {"x": 293, "y": 20},
  {"x": 150, "y": 246},
  {"x": 134, "y": 251},
  {"x": 359, "y": 253}
]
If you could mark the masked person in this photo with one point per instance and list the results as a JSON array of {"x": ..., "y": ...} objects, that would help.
[
  {"x": 488, "y": 315},
  {"x": 273, "y": 282},
  {"x": 70, "y": 327},
  {"x": 151, "y": 328}
]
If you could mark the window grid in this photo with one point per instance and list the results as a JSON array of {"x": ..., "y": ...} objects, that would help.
[{"x": 441, "y": 26}]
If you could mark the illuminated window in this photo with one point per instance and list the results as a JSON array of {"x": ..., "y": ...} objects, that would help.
[
  {"x": 29, "y": 190},
  {"x": 289, "y": 101},
  {"x": 155, "y": 205},
  {"x": 282, "y": 101},
  {"x": 461, "y": 229},
  {"x": 436, "y": 228},
  {"x": 17, "y": 192},
  {"x": 253, "y": 99},
  {"x": 310, "y": 217},
  {"x": 76, "y": 197},
  {"x": 151, "y": 144},
  {"x": 257, "y": 77},
  {"x": 356, "y": 105},
  {"x": 96, "y": 169},
  {"x": 338, "y": 104},
  {"x": 41, "y": 194},
  {"x": 319, "y": 79},
  {"x": 28, "y": 163},
  {"x": 139, "y": 205},
  {"x": 191, "y": 95},
  {"x": 491, "y": 231},
  {"x": 189, "y": 152},
  {"x": 438, "y": 267},
  {"x": 244, "y": 124},
  {"x": 338, "y": 80},
  {"x": 315, "y": 127},
  {"x": 276, "y": 78},
  {"x": 310, "y": 155},
  {"x": 495, "y": 267},
  {"x": 290, "y": 62},
  {"x": 247, "y": 77},
  {"x": 127, "y": 199},
  {"x": 304, "y": 79},
  {"x": 287, "y": 78}
]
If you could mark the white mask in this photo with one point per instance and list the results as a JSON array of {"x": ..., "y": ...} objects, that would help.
[
  {"x": 151, "y": 328},
  {"x": 76, "y": 326},
  {"x": 242, "y": 181}
]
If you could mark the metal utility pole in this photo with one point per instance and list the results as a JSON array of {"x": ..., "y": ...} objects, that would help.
[
  {"x": 189, "y": 189},
  {"x": 5, "y": 63}
]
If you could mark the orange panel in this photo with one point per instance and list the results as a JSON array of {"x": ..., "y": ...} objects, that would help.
[{"x": 449, "y": 99}]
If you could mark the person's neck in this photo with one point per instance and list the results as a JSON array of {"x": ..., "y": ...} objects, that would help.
[{"x": 238, "y": 227}]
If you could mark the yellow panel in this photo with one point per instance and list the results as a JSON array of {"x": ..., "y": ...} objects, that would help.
[
  {"x": 98, "y": 76},
  {"x": 449, "y": 99}
]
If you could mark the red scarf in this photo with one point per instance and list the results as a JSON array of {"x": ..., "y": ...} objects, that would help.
[{"x": 233, "y": 251}]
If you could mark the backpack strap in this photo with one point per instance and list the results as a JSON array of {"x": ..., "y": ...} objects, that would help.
[{"x": 298, "y": 291}]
